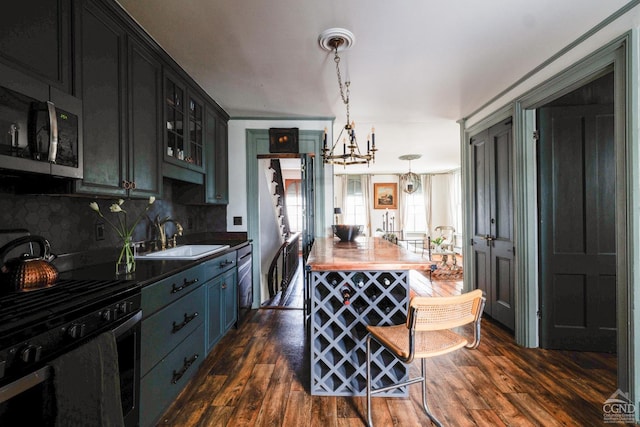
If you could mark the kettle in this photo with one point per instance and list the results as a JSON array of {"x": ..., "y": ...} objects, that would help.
[{"x": 27, "y": 272}]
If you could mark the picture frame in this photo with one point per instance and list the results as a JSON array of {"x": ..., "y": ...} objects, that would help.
[
  {"x": 385, "y": 195},
  {"x": 283, "y": 140}
]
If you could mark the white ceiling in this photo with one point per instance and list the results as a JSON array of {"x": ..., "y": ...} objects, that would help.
[{"x": 417, "y": 66}]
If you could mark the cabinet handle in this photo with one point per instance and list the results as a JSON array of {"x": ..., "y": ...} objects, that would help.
[
  {"x": 133, "y": 185},
  {"x": 224, "y": 286},
  {"x": 218, "y": 196},
  {"x": 186, "y": 365},
  {"x": 126, "y": 184},
  {"x": 187, "y": 319},
  {"x": 225, "y": 263},
  {"x": 186, "y": 284}
]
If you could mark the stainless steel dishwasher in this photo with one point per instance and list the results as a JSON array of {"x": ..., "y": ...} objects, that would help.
[{"x": 245, "y": 282}]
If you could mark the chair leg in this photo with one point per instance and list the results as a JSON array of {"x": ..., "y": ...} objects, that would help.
[
  {"x": 369, "y": 421},
  {"x": 432, "y": 417}
]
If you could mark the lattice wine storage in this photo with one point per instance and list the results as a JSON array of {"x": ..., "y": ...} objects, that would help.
[{"x": 342, "y": 304}]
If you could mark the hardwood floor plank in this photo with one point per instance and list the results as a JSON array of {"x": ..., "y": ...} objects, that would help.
[
  {"x": 240, "y": 374},
  {"x": 298, "y": 410},
  {"x": 252, "y": 398},
  {"x": 324, "y": 412},
  {"x": 278, "y": 391},
  {"x": 486, "y": 418},
  {"x": 532, "y": 409}
]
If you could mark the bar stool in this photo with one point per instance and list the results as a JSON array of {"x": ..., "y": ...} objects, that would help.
[{"x": 427, "y": 333}]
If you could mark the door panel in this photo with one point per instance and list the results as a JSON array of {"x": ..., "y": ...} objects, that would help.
[
  {"x": 493, "y": 220},
  {"x": 577, "y": 228}
]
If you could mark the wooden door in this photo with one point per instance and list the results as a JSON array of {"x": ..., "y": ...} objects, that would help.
[
  {"x": 492, "y": 236},
  {"x": 577, "y": 228}
]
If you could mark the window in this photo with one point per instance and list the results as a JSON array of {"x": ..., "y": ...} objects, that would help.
[
  {"x": 293, "y": 201},
  {"x": 416, "y": 219},
  {"x": 354, "y": 211}
]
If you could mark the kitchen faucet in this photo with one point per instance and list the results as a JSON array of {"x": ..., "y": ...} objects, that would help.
[{"x": 160, "y": 224}]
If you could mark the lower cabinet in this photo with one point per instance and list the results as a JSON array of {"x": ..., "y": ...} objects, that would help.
[
  {"x": 222, "y": 306},
  {"x": 172, "y": 340},
  {"x": 184, "y": 316},
  {"x": 167, "y": 379}
]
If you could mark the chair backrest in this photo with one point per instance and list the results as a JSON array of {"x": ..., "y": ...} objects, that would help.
[{"x": 436, "y": 313}]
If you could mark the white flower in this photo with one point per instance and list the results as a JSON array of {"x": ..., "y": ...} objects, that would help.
[
  {"x": 94, "y": 206},
  {"x": 120, "y": 202},
  {"x": 151, "y": 200},
  {"x": 115, "y": 208}
]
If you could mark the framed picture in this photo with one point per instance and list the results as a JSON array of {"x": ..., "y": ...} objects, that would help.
[
  {"x": 283, "y": 140},
  {"x": 385, "y": 195}
]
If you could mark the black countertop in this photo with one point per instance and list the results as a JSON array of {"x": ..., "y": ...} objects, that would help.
[{"x": 148, "y": 272}]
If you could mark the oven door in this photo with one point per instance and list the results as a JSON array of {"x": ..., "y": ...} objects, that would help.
[
  {"x": 128, "y": 342},
  {"x": 30, "y": 399}
]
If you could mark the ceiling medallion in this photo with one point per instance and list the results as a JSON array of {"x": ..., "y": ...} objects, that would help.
[{"x": 336, "y": 40}]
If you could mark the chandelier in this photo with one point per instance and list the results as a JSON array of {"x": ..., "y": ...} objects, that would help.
[
  {"x": 336, "y": 39},
  {"x": 410, "y": 181}
]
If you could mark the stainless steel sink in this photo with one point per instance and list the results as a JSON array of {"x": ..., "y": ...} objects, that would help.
[{"x": 184, "y": 252}]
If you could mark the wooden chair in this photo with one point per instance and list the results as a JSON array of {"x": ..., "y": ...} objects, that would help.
[{"x": 427, "y": 333}]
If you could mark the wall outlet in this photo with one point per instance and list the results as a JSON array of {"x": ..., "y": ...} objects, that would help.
[
  {"x": 237, "y": 220},
  {"x": 99, "y": 231}
]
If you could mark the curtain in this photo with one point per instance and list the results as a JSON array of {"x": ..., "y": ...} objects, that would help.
[
  {"x": 425, "y": 182},
  {"x": 365, "y": 185},
  {"x": 344, "y": 188}
]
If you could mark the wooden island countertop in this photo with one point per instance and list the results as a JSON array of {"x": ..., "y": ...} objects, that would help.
[{"x": 364, "y": 253}]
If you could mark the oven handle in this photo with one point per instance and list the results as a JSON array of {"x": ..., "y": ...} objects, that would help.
[
  {"x": 25, "y": 383},
  {"x": 128, "y": 324},
  {"x": 41, "y": 375}
]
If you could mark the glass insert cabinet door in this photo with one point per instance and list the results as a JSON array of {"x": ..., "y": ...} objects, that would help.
[
  {"x": 184, "y": 117},
  {"x": 195, "y": 132}
]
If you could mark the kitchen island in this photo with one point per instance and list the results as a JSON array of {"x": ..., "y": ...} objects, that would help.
[{"x": 352, "y": 285}]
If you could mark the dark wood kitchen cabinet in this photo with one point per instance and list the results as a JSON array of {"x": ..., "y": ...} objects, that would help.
[
  {"x": 221, "y": 297},
  {"x": 184, "y": 131},
  {"x": 172, "y": 339},
  {"x": 218, "y": 191},
  {"x": 121, "y": 90},
  {"x": 36, "y": 37},
  {"x": 216, "y": 182}
]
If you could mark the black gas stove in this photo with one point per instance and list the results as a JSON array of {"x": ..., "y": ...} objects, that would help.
[{"x": 39, "y": 325}]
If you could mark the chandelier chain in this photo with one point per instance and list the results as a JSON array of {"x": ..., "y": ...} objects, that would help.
[{"x": 345, "y": 97}]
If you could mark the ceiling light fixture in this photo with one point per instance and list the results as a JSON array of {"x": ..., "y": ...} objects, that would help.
[
  {"x": 410, "y": 181},
  {"x": 338, "y": 39}
]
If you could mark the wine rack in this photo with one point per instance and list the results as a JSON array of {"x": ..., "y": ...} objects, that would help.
[{"x": 343, "y": 303}]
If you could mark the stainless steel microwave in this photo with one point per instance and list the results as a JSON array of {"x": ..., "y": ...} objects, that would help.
[{"x": 38, "y": 136}]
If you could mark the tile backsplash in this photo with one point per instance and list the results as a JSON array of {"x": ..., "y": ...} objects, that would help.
[{"x": 70, "y": 224}]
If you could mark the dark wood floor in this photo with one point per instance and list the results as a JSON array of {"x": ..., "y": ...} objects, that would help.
[{"x": 258, "y": 375}]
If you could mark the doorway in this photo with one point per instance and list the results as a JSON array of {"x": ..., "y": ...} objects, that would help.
[{"x": 577, "y": 212}]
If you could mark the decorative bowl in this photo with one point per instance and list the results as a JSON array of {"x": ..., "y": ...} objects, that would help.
[{"x": 346, "y": 232}]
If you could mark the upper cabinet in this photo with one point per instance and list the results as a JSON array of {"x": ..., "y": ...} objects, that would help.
[
  {"x": 216, "y": 183},
  {"x": 218, "y": 191},
  {"x": 139, "y": 116},
  {"x": 184, "y": 131},
  {"x": 120, "y": 88},
  {"x": 36, "y": 38}
]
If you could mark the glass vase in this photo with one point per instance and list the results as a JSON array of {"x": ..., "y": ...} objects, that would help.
[{"x": 126, "y": 263}]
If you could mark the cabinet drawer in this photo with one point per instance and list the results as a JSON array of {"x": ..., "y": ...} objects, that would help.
[
  {"x": 164, "y": 382},
  {"x": 164, "y": 292},
  {"x": 219, "y": 265},
  {"x": 165, "y": 329}
]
